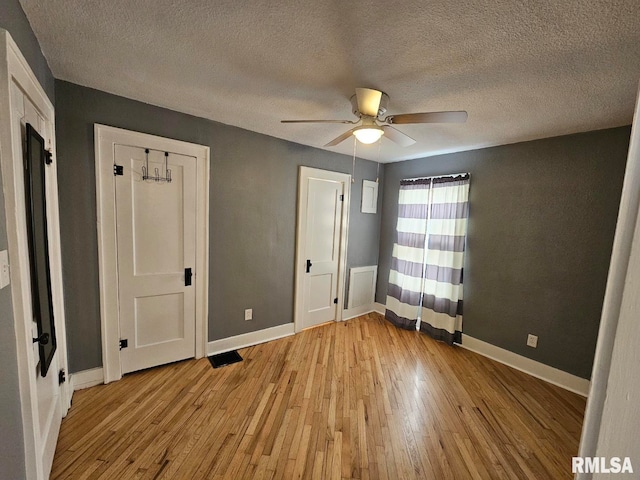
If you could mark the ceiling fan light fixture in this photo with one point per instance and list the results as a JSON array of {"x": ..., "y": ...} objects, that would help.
[
  {"x": 368, "y": 134},
  {"x": 370, "y": 105}
]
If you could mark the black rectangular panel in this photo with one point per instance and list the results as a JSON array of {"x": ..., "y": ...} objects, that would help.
[{"x": 36, "y": 212}]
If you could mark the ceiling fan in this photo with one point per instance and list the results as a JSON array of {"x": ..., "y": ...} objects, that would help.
[{"x": 369, "y": 106}]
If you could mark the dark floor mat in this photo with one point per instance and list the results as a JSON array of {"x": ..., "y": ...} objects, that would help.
[{"x": 227, "y": 358}]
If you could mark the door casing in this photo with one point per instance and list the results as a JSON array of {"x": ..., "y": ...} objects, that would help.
[
  {"x": 306, "y": 172},
  {"x": 105, "y": 140}
]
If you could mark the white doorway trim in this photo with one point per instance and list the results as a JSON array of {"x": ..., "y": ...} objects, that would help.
[
  {"x": 615, "y": 346},
  {"x": 105, "y": 139},
  {"x": 15, "y": 69},
  {"x": 300, "y": 239}
]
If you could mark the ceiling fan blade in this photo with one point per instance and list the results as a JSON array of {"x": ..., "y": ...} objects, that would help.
[
  {"x": 317, "y": 121},
  {"x": 429, "y": 117},
  {"x": 397, "y": 136},
  {"x": 339, "y": 139},
  {"x": 368, "y": 101}
]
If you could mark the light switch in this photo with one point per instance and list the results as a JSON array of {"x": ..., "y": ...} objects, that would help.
[{"x": 4, "y": 269}]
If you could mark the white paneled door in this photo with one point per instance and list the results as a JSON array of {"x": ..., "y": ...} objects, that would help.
[
  {"x": 30, "y": 191},
  {"x": 322, "y": 200},
  {"x": 156, "y": 240},
  {"x": 50, "y": 404}
]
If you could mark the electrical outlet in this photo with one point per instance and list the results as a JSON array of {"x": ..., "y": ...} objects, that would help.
[
  {"x": 532, "y": 341},
  {"x": 248, "y": 314}
]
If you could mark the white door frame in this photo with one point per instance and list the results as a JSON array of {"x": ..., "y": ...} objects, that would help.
[
  {"x": 105, "y": 139},
  {"x": 618, "y": 312},
  {"x": 300, "y": 242},
  {"x": 14, "y": 68}
]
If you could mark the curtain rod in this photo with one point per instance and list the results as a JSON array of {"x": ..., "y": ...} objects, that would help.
[{"x": 439, "y": 176}]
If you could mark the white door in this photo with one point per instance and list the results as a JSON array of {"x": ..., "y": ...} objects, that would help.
[
  {"x": 156, "y": 241},
  {"x": 50, "y": 406},
  {"x": 321, "y": 232}
]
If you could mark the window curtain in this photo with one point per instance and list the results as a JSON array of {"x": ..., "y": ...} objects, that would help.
[
  {"x": 441, "y": 315},
  {"x": 407, "y": 261},
  {"x": 425, "y": 279}
]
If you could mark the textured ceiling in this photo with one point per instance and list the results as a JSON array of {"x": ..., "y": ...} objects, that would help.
[{"x": 522, "y": 69}]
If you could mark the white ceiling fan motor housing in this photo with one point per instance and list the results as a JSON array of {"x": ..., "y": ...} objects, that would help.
[{"x": 382, "y": 109}]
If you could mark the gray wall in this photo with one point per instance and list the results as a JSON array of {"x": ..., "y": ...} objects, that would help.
[
  {"x": 252, "y": 214},
  {"x": 13, "y": 19},
  {"x": 12, "y": 443},
  {"x": 12, "y": 460},
  {"x": 541, "y": 226}
]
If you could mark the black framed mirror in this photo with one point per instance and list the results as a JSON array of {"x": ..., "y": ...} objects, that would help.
[{"x": 36, "y": 160}]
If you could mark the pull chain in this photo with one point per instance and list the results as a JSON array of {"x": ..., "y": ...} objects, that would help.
[
  {"x": 353, "y": 167},
  {"x": 378, "y": 161}
]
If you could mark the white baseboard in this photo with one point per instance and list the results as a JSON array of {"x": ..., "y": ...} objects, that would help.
[
  {"x": 86, "y": 379},
  {"x": 539, "y": 370},
  {"x": 379, "y": 307},
  {"x": 249, "y": 339},
  {"x": 95, "y": 376},
  {"x": 350, "y": 313}
]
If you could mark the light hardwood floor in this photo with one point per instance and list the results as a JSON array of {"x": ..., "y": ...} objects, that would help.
[{"x": 358, "y": 399}]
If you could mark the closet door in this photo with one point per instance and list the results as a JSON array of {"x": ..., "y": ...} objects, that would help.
[{"x": 156, "y": 238}]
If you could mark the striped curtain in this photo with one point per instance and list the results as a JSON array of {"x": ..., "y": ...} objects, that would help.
[
  {"x": 441, "y": 315},
  {"x": 407, "y": 261}
]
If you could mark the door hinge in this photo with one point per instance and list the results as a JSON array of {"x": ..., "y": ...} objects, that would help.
[
  {"x": 335, "y": 300},
  {"x": 342, "y": 198},
  {"x": 62, "y": 377},
  {"x": 188, "y": 274},
  {"x": 124, "y": 343},
  {"x": 118, "y": 170},
  {"x": 48, "y": 157}
]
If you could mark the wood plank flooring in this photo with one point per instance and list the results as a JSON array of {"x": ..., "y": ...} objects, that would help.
[{"x": 358, "y": 399}]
